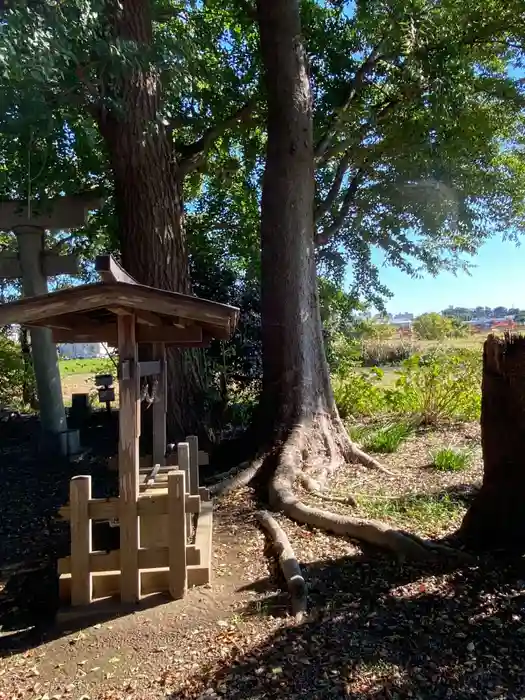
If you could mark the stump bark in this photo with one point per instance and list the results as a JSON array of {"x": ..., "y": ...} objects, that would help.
[{"x": 496, "y": 518}]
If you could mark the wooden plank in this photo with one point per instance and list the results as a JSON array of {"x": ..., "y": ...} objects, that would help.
[
  {"x": 146, "y": 462},
  {"x": 147, "y": 318},
  {"x": 160, "y": 407},
  {"x": 79, "y": 494},
  {"x": 218, "y": 320},
  {"x": 183, "y": 459},
  {"x": 177, "y": 528},
  {"x": 56, "y": 214},
  {"x": 200, "y": 575},
  {"x": 190, "y": 337},
  {"x": 148, "y": 504},
  {"x": 128, "y": 461},
  {"x": 110, "y": 270},
  {"x": 193, "y": 442}
]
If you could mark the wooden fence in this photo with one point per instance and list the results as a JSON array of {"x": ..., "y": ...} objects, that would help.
[{"x": 175, "y": 535}]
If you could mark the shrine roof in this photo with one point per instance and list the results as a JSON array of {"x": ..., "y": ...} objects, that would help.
[{"x": 88, "y": 313}]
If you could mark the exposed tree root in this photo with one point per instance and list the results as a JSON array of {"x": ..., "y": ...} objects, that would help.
[
  {"x": 309, "y": 454},
  {"x": 238, "y": 480},
  {"x": 287, "y": 561},
  {"x": 293, "y": 459},
  {"x": 313, "y": 487}
]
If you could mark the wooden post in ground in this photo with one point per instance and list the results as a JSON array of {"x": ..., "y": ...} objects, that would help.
[
  {"x": 79, "y": 495},
  {"x": 128, "y": 459},
  {"x": 193, "y": 442},
  {"x": 178, "y": 580},
  {"x": 183, "y": 462},
  {"x": 159, "y": 408}
]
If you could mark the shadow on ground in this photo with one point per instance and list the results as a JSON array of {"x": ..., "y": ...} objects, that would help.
[
  {"x": 32, "y": 538},
  {"x": 380, "y": 630}
]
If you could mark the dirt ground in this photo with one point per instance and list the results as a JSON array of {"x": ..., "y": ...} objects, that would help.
[{"x": 376, "y": 628}]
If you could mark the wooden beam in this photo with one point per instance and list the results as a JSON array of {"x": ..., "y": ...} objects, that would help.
[
  {"x": 110, "y": 270},
  {"x": 149, "y": 504},
  {"x": 147, "y": 318},
  {"x": 146, "y": 462},
  {"x": 56, "y": 214},
  {"x": 160, "y": 408},
  {"x": 149, "y": 558},
  {"x": 128, "y": 460},
  {"x": 191, "y": 337},
  {"x": 80, "y": 495}
]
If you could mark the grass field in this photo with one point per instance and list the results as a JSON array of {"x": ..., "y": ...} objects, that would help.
[{"x": 78, "y": 376}]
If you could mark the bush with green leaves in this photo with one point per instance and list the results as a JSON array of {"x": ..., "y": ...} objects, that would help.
[
  {"x": 450, "y": 459},
  {"x": 15, "y": 376},
  {"x": 441, "y": 385},
  {"x": 432, "y": 326},
  {"x": 358, "y": 394}
]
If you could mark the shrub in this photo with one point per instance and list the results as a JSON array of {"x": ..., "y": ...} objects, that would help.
[
  {"x": 14, "y": 375},
  {"x": 449, "y": 459},
  {"x": 388, "y": 438},
  {"x": 342, "y": 353},
  {"x": 377, "y": 353},
  {"x": 437, "y": 386},
  {"x": 432, "y": 326},
  {"x": 358, "y": 394}
]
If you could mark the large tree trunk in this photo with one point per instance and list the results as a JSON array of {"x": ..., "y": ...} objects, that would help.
[
  {"x": 148, "y": 199},
  {"x": 496, "y": 518},
  {"x": 303, "y": 438}
]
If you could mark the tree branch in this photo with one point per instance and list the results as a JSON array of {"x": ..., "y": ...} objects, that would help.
[
  {"x": 356, "y": 86},
  {"x": 349, "y": 198},
  {"x": 193, "y": 156},
  {"x": 330, "y": 198}
]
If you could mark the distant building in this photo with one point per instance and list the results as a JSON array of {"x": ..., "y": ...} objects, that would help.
[{"x": 81, "y": 351}]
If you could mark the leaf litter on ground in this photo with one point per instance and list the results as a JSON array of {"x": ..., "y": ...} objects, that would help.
[{"x": 375, "y": 629}]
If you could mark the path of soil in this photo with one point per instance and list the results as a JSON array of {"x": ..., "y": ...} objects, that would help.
[{"x": 376, "y": 629}]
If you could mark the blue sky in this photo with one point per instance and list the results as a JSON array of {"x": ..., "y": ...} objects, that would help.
[{"x": 498, "y": 279}]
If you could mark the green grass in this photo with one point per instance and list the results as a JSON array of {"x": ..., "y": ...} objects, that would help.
[
  {"x": 387, "y": 439},
  {"x": 96, "y": 365},
  {"x": 449, "y": 459},
  {"x": 431, "y": 514}
]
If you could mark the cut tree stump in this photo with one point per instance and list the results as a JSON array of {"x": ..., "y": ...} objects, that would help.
[{"x": 496, "y": 518}]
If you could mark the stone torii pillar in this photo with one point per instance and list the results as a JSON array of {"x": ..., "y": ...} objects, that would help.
[{"x": 33, "y": 265}]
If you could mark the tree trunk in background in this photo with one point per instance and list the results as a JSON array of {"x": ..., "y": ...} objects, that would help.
[
  {"x": 496, "y": 518},
  {"x": 148, "y": 202}
]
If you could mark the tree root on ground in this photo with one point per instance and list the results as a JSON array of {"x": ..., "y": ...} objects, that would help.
[
  {"x": 283, "y": 498},
  {"x": 239, "y": 479},
  {"x": 312, "y": 486},
  {"x": 287, "y": 561},
  {"x": 309, "y": 454}
]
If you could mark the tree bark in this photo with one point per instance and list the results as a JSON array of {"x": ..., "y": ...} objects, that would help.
[
  {"x": 148, "y": 200},
  {"x": 496, "y": 518}
]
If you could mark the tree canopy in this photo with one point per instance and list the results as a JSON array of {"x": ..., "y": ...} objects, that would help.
[{"x": 418, "y": 123}]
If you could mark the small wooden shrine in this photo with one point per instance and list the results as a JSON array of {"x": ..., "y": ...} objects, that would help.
[{"x": 165, "y": 518}]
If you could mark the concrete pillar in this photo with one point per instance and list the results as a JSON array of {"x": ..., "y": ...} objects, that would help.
[{"x": 45, "y": 359}]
